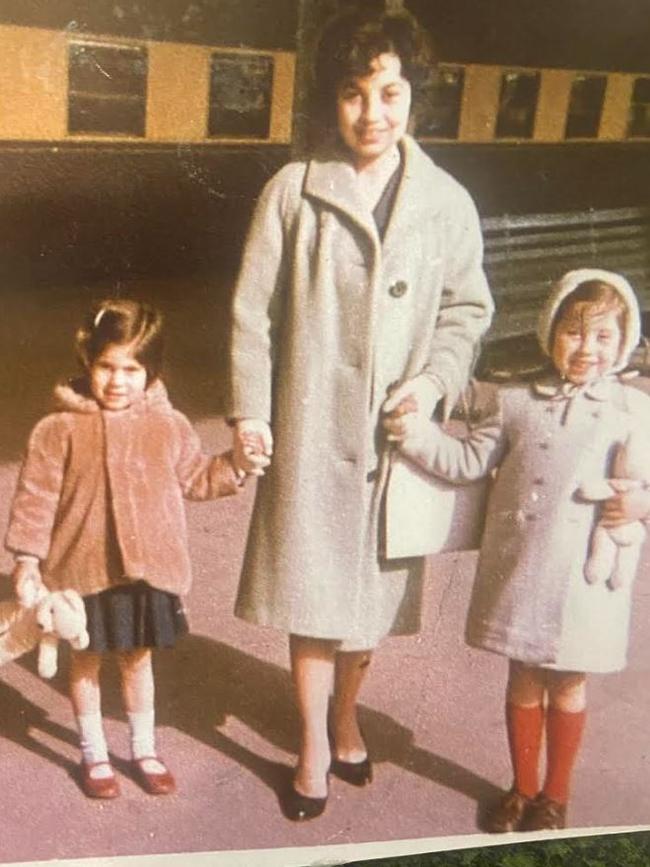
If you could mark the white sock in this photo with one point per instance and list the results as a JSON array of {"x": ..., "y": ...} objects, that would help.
[
  {"x": 93, "y": 743},
  {"x": 143, "y": 740},
  {"x": 142, "y": 733}
]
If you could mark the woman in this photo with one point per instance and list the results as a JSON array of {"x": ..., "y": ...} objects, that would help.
[{"x": 362, "y": 270}]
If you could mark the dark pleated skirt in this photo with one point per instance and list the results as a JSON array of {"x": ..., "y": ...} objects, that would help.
[{"x": 133, "y": 615}]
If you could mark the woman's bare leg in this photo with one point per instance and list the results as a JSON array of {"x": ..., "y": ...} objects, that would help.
[
  {"x": 350, "y": 669},
  {"x": 312, "y": 668}
]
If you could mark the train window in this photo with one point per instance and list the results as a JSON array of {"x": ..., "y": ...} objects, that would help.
[
  {"x": 585, "y": 106},
  {"x": 517, "y": 104},
  {"x": 107, "y": 89},
  {"x": 438, "y": 111},
  {"x": 639, "y": 122},
  {"x": 240, "y": 95}
]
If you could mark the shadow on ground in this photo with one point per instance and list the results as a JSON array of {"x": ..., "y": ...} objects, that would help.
[{"x": 202, "y": 682}]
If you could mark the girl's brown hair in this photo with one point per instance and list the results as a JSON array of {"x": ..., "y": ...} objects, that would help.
[
  {"x": 123, "y": 321},
  {"x": 592, "y": 296}
]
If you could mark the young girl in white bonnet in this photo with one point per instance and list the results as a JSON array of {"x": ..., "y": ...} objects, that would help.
[{"x": 531, "y": 601}]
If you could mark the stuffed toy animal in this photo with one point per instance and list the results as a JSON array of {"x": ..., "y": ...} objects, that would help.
[
  {"x": 57, "y": 614},
  {"x": 615, "y": 551}
]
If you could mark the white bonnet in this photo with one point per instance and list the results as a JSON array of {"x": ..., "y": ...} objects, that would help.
[{"x": 568, "y": 284}]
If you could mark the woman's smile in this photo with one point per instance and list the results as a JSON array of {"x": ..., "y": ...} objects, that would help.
[{"x": 373, "y": 110}]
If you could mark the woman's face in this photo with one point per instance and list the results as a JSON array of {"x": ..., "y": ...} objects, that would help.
[
  {"x": 587, "y": 343},
  {"x": 373, "y": 110}
]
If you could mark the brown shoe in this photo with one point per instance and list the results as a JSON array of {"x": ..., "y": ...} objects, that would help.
[
  {"x": 162, "y": 783},
  {"x": 98, "y": 787},
  {"x": 507, "y": 813},
  {"x": 544, "y": 814}
]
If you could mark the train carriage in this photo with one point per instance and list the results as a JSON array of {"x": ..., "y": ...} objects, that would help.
[{"x": 134, "y": 138}]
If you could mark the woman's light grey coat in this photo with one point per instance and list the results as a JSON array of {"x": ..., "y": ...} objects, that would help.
[{"x": 326, "y": 318}]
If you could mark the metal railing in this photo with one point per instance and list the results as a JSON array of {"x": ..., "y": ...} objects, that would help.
[{"x": 525, "y": 254}]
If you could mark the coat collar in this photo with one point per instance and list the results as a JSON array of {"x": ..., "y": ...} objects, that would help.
[
  {"x": 332, "y": 179},
  {"x": 74, "y": 396},
  {"x": 554, "y": 388}
]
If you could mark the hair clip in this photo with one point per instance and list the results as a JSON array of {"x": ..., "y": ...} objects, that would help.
[{"x": 98, "y": 318}]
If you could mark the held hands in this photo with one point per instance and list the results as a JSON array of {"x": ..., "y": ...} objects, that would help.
[
  {"x": 408, "y": 408},
  {"x": 399, "y": 423},
  {"x": 252, "y": 446},
  {"x": 28, "y": 584}
]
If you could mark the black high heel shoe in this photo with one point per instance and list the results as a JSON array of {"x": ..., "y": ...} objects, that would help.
[
  {"x": 299, "y": 807},
  {"x": 355, "y": 773}
]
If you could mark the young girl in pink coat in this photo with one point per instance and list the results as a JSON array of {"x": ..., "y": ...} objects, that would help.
[
  {"x": 532, "y": 601},
  {"x": 99, "y": 509}
]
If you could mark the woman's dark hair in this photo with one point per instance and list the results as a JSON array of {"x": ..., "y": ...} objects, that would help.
[
  {"x": 350, "y": 42},
  {"x": 123, "y": 321}
]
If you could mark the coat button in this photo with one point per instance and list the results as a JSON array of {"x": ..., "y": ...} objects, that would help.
[{"x": 398, "y": 289}]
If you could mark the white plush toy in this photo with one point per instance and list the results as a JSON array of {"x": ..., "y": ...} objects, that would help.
[
  {"x": 615, "y": 551},
  {"x": 59, "y": 614}
]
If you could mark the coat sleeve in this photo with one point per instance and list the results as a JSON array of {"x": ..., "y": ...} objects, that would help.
[
  {"x": 201, "y": 476},
  {"x": 637, "y": 445},
  {"x": 36, "y": 500},
  {"x": 466, "y": 305},
  {"x": 460, "y": 459},
  {"x": 258, "y": 301}
]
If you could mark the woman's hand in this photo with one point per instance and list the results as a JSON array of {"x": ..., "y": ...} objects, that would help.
[
  {"x": 409, "y": 406},
  {"x": 406, "y": 426},
  {"x": 28, "y": 583},
  {"x": 420, "y": 394},
  {"x": 252, "y": 446},
  {"x": 625, "y": 506},
  {"x": 399, "y": 422}
]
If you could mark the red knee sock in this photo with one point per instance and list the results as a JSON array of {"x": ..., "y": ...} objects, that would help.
[
  {"x": 525, "y": 725},
  {"x": 563, "y": 735}
]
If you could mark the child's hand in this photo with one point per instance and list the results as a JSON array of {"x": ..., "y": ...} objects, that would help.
[
  {"x": 28, "y": 584},
  {"x": 420, "y": 394},
  {"x": 624, "y": 507},
  {"x": 398, "y": 422},
  {"x": 407, "y": 427},
  {"x": 252, "y": 446}
]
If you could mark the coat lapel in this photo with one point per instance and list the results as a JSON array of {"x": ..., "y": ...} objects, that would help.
[
  {"x": 332, "y": 180},
  {"x": 413, "y": 193}
]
